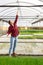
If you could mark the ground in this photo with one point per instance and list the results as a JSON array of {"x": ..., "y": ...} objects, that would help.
[{"x": 21, "y": 60}]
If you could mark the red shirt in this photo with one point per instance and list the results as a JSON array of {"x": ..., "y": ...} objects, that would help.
[{"x": 13, "y": 30}]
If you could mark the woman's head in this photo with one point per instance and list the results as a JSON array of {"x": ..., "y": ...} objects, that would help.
[{"x": 10, "y": 22}]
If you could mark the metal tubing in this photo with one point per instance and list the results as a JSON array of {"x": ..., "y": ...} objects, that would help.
[{"x": 21, "y": 6}]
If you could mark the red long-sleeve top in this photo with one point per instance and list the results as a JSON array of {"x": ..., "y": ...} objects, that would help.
[{"x": 13, "y": 30}]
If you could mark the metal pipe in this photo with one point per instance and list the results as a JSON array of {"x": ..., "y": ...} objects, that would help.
[{"x": 21, "y": 6}]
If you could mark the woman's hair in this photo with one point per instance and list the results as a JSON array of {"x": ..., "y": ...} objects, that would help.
[{"x": 9, "y": 22}]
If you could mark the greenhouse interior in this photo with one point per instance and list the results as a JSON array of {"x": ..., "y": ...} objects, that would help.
[{"x": 30, "y": 25}]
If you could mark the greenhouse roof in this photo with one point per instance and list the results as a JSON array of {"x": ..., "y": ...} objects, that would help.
[{"x": 30, "y": 14}]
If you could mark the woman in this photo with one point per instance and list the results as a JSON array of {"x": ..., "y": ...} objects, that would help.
[{"x": 13, "y": 30}]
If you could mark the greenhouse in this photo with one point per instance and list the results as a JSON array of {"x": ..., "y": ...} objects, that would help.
[{"x": 30, "y": 25}]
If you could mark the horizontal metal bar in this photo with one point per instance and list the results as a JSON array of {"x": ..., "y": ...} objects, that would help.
[
  {"x": 19, "y": 17},
  {"x": 21, "y": 6},
  {"x": 23, "y": 42},
  {"x": 22, "y": 16}
]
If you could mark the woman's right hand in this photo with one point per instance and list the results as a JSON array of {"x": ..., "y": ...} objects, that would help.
[{"x": 17, "y": 13}]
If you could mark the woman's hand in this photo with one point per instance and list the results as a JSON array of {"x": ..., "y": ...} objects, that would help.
[
  {"x": 7, "y": 35},
  {"x": 17, "y": 12}
]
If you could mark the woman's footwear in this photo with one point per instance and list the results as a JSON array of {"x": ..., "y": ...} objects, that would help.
[{"x": 14, "y": 54}]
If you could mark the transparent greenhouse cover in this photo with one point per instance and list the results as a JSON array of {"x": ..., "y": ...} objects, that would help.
[{"x": 27, "y": 15}]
